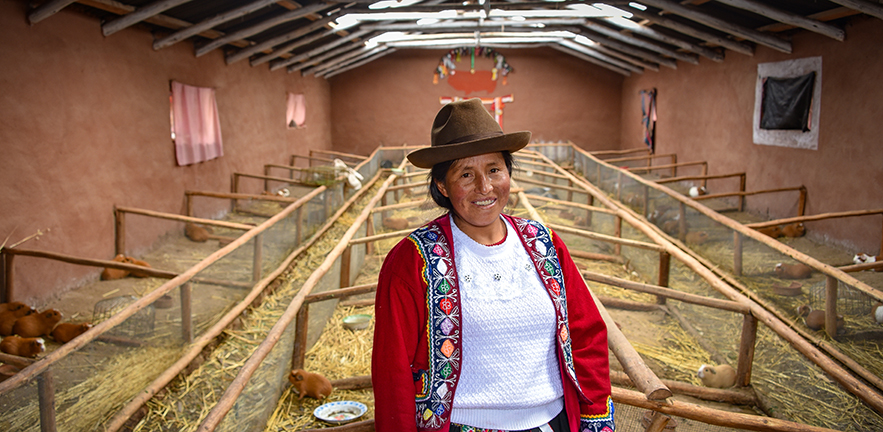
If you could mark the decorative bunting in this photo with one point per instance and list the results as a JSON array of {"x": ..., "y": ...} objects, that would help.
[{"x": 447, "y": 64}]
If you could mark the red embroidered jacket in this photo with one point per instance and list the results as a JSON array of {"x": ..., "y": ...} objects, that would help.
[{"x": 415, "y": 362}]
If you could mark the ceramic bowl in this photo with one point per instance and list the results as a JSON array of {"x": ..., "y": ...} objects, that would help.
[
  {"x": 340, "y": 412},
  {"x": 357, "y": 322}
]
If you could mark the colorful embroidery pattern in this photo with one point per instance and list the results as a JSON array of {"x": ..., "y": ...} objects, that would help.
[
  {"x": 600, "y": 422},
  {"x": 443, "y": 327}
]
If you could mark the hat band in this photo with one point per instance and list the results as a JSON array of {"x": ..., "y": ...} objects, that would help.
[{"x": 473, "y": 137}]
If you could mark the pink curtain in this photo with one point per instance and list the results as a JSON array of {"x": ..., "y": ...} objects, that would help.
[
  {"x": 196, "y": 125},
  {"x": 297, "y": 110}
]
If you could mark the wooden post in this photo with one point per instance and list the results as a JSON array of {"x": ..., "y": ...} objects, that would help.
[
  {"x": 298, "y": 225},
  {"x": 619, "y": 185},
  {"x": 369, "y": 231},
  {"x": 674, "y": 165},
  {"x": 737, "y": 253},
  {"x": 258, "y": 252},
  {"x": 664, "y": 270},
  {"x": 9, "y": 276},
  {"x": 646, "y": 202},
  {"x": 742, "y": 181},
  {"x": 188, "y": 204},
  {"x": 267, "y": 181},
  {"x": 119, "y": 231},
  {"x": 300, "y": 336},
  {"x": 345, "y": 259},
  {"x": 46, "y": 391},
  {"x": 658, "y": 422},
  {"x": 569, "y": 192},
  {"x": 186, "y": 292},
  {"x": 590, "y": 201},
  {"x": 682, "y": 221},
  {"x": 234, "y": 186},
  {"x": 617, "y": 232},
  {"x": 598, "y": 174},
  {"x": 831, "y": 306},
  {"x": 746, "y": 350},
  {"x": 801, "y": 202}
]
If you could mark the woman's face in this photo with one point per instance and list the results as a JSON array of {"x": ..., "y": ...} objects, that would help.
[{"x": 478, "y": 188}]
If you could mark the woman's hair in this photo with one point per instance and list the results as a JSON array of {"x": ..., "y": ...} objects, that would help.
[{"x": 440, "y": 170}]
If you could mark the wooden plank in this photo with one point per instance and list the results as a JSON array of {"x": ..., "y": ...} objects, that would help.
[
  {"x": 606, "y": 31},
  {"x": 138, "y": 15},
  {"x": 765, "y": 39},
  {"x": 709, "y": 53},
  {"x": 272, "y": 42},
  {"x": 863, "y": 6},
  {"x": 259, "y": 27},
  {"x": 828, "y": 15},
  {"x": 209, "y": 23},
  {"x": 48, "y": 9},
  {"x": 740, "y": 47},
  {"x": 788, "y": 18},
  {"x": 820, "y": 216}
]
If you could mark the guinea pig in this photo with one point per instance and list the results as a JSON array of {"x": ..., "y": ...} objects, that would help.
[
  {"x": 815, "y": 319},
  {"x": 697, "y": 237},
  {"x": 8, "y": 319},
  {"x": 38, "y": 324},
  {"x": 138, "y": 262},
  {"x": 111, "y": 273},
  {"x": 793, "y": 271},
  {"x": 310, "y": 384},
  {"x": 773, "y": 231},
  {"x": 794, "y": 230},
  {"x": 7, "y": 371},
  {"x": 697, "y": 191},
  {"x": 12, "y": 306},
  {"x": 22, "y": 347},
  {"x": 878, "y": 313},
  {"x": 65, "y": 332},
  {"x": 197, "y": 233},
  {"x": 867, "y": 259},
  {"x": 720, "y": 376},
  {"x": 397, "y": 224}
]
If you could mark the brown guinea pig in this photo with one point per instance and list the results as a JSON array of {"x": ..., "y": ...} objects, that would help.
[
  {"x": 793, "y": 271},
  {"x": 720, "y": 376},
  {"x": 395, "y": 223},
  {"x": 310, "y": 384},
  {"x": 794, "y": 230},
  {"x": 12, "y": 306},
  {"x": 196, "y": 233},
  {"x": 8, "y": 319},
  {"x": 38, "y": 324},
  {"x": 773, "y": 231},
  {"x": 65, "y": 332},
  {"x": 138, "y": 262},
  {"x": 111, "y": 273},
  {"x": 696, "y": 237},
  {"x": 7, "y": 371},
  {"x": 22, "y": 347},
  {"x": 815, "y": 319}
]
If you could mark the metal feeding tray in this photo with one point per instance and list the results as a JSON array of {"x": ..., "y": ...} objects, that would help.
[{"x": 141, "y": 324}]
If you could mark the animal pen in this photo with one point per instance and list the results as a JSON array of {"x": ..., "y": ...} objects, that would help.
[{"x": 271, "y": 297}]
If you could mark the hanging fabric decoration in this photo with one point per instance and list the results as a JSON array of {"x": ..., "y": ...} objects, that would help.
[
  {"x": 447, "y": 63},
  {"x": 648, "y": 118}
]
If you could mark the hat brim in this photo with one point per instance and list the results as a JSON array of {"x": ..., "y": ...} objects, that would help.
[{"x": 428, "y": 156}]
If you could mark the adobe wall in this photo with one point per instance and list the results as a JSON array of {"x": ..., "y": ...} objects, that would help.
[
  {"x": 392, "y": 101},
  {"x": 705, "y": 113},
  {"x": 84, "y": 126}
]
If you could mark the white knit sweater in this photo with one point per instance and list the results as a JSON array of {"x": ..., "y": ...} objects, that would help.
[{"x": 510, "y": 378}]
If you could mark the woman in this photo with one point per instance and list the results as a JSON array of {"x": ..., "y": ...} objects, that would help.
[{"x": 483, "y": 322}]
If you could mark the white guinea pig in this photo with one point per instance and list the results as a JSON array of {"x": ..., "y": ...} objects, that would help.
[{"x": 720, "y": 376}]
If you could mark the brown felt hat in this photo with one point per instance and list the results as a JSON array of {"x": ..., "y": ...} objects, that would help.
[{"x": 464, "y": 129}]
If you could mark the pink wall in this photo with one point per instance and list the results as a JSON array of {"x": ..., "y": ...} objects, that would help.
[
  {"x": 84, "y": 126},
  {"x": 392, "y": 101},
  {"x": 705, "y": 113}
]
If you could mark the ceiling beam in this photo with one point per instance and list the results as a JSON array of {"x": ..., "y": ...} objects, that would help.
[
  {"x": 788, "y": 18},
  {"x": 828, "y": 15},
  {"x": 259, "y": 27},
  {"x": 607, "y": 31},
  {"x": 138, "y": 15},
  {"x": 633, "y": 60},
  {"x": 863, "y": 6},
  {"x": 711, "y": 54},
  {"x": 48, "y": 9},
  {"x": 349, "y": 57},
  {"x": 316, "y": 51},
  {"x": 209, "y": 23},
  {"x": 589, "y": 59},
  {"x": 590, "y": 51},
  {"x": 360, "y": 63},
  {"x": 469, "y": 26},
  {"x": 765, "y": 39},
  {"x": 118, "y": 8},
  {"x": 270, "y": 43},
  {"x": 739, "y": 47},
  {"x": 629, "y": 49},
  {"x": 330, "y": 54}
]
